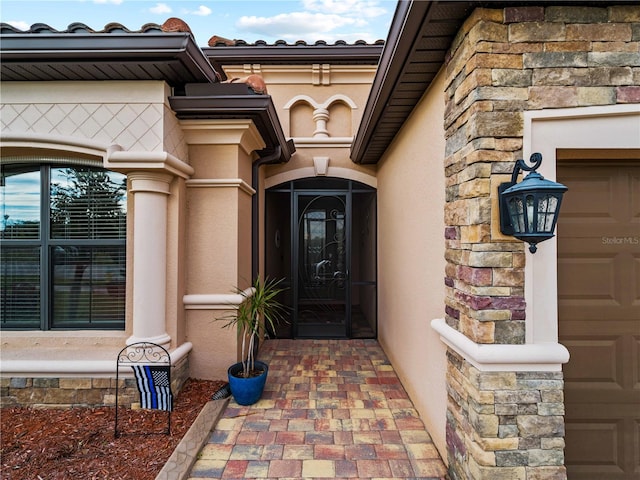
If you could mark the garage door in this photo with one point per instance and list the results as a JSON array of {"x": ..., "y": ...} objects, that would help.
[{"x": 599, "y": 316}]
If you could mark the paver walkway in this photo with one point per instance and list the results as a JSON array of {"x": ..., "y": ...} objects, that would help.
[{"x": 331, "y": 409}]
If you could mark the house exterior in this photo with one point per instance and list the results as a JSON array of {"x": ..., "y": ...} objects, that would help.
[{"x": 367, "y": 177}]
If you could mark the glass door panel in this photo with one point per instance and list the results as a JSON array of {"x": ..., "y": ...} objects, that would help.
[
  {"x": 321, "y": 260},
  {"x": 363, "y": 270}
]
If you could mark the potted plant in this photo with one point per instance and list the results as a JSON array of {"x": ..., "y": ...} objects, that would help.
[{"x": 259, "y": 309}]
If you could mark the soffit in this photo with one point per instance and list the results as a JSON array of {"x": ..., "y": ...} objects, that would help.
[
  {"x": 79, "y": 53},
  {"x": 420, "y": 36}
]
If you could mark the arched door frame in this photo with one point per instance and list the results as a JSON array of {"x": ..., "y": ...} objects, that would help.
[{"x": 295, "y": 194}]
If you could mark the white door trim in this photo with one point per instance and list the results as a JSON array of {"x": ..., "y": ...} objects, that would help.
[{"x": 546, "y": 131}]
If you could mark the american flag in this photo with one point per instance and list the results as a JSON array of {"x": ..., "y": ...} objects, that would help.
[{"x": 154, "y": 386}]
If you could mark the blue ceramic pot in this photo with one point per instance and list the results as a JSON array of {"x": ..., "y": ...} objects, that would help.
[{"x": 247, "y": 391}]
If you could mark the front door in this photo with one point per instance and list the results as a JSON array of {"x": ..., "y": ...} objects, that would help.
[
  {"x": 599, "y": 316},
  {"x": 324, "y": 244},
  {"x": 321, "y": 257}
]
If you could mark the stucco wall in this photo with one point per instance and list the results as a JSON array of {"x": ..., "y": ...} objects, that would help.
[
  {"x": 411, "y": 258},
  {"x": 133, "y": 115},
  {"x": 218, "y": 233},
  {"x": 130, "y": 127},
  {"x": 302, "y": 94}
]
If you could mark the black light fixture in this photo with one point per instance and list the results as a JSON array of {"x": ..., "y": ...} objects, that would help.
[{"x": 529, "y": 209}]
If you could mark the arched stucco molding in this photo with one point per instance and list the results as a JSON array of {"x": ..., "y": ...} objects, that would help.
[
  {"x": 326, "y": 104},
  {"x": 321, "y": 111},
  {"x": 12, "y": 142},
  {"x": 300, "y": 99},
  {"x": 307, "y": 172},
  {"x": 150, "y": 175}
]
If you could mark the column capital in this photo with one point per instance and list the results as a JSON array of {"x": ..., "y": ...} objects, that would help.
[
  {"x": 156, "y": 162},
  {"x": 151, "y": 182},
  {"x": 241, "y": 132}
]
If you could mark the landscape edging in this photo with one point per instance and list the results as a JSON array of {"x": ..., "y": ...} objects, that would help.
[{"x": 179, "y": 464}]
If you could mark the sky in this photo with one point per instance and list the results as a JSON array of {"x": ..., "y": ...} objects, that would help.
[{"x": 268, "y": 20}]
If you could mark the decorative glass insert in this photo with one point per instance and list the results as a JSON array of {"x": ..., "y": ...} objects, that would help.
[
  {"x": 547, "y": 207},
  {"x": 87, "y": 204},
  {"x": 21, "y": 199}
]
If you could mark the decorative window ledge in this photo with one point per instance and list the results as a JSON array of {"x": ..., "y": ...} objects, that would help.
[{"x": 83, "y": 364}]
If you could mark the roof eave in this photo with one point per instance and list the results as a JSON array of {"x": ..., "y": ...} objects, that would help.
[
  {"x": 405, "y": 26},
  {"x": 420, "y": 35},
  {"x": 258, "y": 108},
  {"x": 363, "y": 54},
  {"x": 24, "y": 50}
]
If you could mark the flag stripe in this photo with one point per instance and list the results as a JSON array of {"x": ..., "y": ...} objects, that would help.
[{"x": 154, "y": 385}]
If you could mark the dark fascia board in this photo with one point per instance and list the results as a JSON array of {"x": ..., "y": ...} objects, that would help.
[
  {"x": 411, "y": 19},
  {"x": 406, "y": 27},
  {"x": 220, "y": 105},
  {"x": 25, "y": 49},
  {"x": 359, "y": 54}
]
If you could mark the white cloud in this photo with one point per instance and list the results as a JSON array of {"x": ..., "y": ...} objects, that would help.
[
  {"x": 115, "y": 2},
  {"x": 160, "y": 8},
  {"x": 349, "y": 37},
  {"x": 354, "y": 8},
  {"x": 201, "y": 11},
  {"x": 329, "y": 20},
  {"x": 20, "y": 25},
  {"x": 289, "y": 25}
]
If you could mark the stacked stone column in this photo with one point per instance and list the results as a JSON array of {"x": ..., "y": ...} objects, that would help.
[{"x": 508, "y": 423}]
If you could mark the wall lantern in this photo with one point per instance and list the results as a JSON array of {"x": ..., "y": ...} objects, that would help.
[{"x": 529, "y": 209}]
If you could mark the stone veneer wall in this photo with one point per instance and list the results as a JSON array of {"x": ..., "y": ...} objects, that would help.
[
  {"x": 504, "y": 62},
  {"x": 79, "y": 391},
  {"x": 504, "y": 425}
]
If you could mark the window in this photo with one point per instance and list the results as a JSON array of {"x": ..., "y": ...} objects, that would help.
[{"x": 62, "y": 246}]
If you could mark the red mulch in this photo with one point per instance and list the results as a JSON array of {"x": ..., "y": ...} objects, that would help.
[{"x": 78, "y": 443}]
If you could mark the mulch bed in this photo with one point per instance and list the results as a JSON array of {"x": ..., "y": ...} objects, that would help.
[{"x": 52, "y": 443}]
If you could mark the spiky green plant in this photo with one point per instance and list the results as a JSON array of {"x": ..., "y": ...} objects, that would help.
[{"x": 259, "y": 309}]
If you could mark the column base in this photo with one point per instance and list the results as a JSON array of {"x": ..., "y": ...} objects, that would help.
[{"x": 163, "y": 340}]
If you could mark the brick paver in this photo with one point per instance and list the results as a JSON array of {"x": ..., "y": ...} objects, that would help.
[{"x": 330, "y": 409}]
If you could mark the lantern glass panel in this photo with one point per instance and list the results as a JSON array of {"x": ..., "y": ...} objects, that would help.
[
  {"x": 547, "y": 207},
  {"x": 516, "y": 212},
  {"x": 531, "y": 204}
]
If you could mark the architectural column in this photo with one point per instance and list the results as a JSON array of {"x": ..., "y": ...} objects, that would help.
[
  {"x": 218, "y": 222},
  {"x": 321, "y": 117},
  {"x": 150, "y": 195}
]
